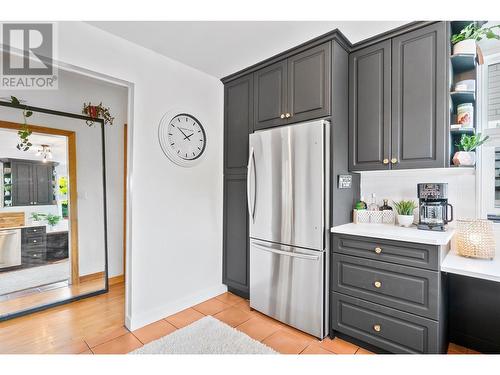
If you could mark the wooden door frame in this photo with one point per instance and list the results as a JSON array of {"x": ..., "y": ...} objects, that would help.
[{"x": 73, "y": 187}]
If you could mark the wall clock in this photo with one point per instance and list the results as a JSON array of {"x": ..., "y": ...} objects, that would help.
[{"x": 182, "y": 138}]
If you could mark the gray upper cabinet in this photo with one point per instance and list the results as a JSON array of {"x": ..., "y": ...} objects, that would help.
[
  {"x": 370, "y": 107},
  {"x": 270, "y": 95},
  {"x": 309, "y": 84},
  {"x": 293, "y": 90},
  {"x": 238, "y": 123},
  {"x": 398, "y": 102},
  {"x": 31, "y": 183},
  {"x": 419, "y": 104}
]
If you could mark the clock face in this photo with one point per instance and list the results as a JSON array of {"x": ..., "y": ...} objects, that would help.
[{"x": 186, "y": 137}]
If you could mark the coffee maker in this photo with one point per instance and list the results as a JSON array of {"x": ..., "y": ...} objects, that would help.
[{"x": 433, "y": 207}]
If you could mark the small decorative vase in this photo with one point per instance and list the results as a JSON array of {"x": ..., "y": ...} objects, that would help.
[
  {"x": 467, "y": 46},
  {"x": 464, "y": 159},
  {"x": 405, "y": 220}
]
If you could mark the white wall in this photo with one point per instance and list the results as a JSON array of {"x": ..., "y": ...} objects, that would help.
[
  {"x": 397, "y": 185},
  {"x": 175, "y": 258},
  {"x": 73, "y": 90}
]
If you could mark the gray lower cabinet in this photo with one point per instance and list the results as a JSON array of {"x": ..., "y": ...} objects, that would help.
[
  {"x": 236, "y": 240},
  {"x": 390, "y": 294},
  {"x": 33, "y": 246},
  {"x": 370, "y": 107},
  {"x": 399, "y": 101}
]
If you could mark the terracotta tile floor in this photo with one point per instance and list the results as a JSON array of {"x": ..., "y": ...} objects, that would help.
[{"x": 112, "y": 338}]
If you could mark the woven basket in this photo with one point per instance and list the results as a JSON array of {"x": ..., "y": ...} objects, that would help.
[{"x": 475, "y": 239}]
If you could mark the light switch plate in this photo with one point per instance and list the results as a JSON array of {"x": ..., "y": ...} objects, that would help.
[{"x": 345, "y": 181}]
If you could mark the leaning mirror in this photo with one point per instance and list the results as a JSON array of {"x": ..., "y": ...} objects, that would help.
[{"x": 52, "y": 210}]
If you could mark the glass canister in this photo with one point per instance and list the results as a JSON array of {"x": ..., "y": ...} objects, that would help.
[
  {"x": 475, "y": 239},
  {"x": 465, "y": 115}
]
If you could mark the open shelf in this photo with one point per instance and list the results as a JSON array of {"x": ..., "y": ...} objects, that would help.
[
  {"x": 460, "y": 97},
  {"x": 463, "y": 131},
  {"x": 463, "y": 62}
]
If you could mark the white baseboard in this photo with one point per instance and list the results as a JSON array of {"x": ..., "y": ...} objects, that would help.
[{"x": 144, "y": 318}]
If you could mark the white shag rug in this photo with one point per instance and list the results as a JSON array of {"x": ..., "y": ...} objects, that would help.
[{"x": 205, "y": 336}]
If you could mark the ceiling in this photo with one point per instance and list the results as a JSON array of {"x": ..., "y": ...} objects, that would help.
[{"x": 220, "y": 48}]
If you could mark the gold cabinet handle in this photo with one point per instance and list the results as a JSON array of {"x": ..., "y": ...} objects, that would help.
[
  {"x": 288, "y": 115},
  {"x": 385, "y": 161},
  {"x": 394, "y": 160},
  {"x": 378, "y": 250},
  {"x": 377, "y": 284},
  {"x": 376, "y": 327},
  {"x": 282, "y": 115}
]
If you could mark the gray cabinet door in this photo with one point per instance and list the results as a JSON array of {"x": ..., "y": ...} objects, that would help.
[
  {"x": 42, "y": 184},
  {"x": 419, "y": 92},
  {"x": 309, "y": 84},
  {"x": 235, "y": 257},
  {"x": 22, "y": 192},
  {"x": 270, "y": 89},
  {"x": 370, "y": 107},
  {"x": 238, "y": 123}
]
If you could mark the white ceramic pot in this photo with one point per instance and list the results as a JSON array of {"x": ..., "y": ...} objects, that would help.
[
  {"x": 465, "y": 46},
  {"x": 464, "y": 159},
  {"x": 405, "y": 220}
]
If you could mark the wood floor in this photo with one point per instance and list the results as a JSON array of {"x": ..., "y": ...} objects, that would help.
[{"x": 96, "y": 326}]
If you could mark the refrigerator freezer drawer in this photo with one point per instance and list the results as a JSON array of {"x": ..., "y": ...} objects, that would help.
[{"x": 286, "y": 283}]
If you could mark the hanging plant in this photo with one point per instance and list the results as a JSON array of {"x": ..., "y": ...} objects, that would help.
[
  {"x": 24, "y": 133},
  {"x": 97, "y": 111}
]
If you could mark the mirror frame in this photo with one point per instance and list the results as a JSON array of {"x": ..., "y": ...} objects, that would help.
[{"x": 69, "y": 134}]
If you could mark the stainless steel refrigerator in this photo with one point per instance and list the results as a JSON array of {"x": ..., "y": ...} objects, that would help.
[{"x": 288, "y": 200}]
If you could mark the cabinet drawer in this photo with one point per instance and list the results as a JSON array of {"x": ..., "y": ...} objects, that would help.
[
  {"x": 409, "y": 289},
  {"x": 35, "y": 240},
  {"x": 386, "y": 328},
  {"x": 405, "y": 253},
  {"x": 34, "y": 230}
]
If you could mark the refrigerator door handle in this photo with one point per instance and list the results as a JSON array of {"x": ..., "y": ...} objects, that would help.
[
  {"x": 286, "y": 253},
  {"x": 250, "y": 166}
]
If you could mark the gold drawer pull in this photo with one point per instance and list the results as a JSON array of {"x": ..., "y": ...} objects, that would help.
[
  {"x": 282, "y": 115},
  {"x": 378, "y": 250},
  {"x": 385, "y": 161},
  {"x": 376, "y": 327},
  {"x": 377, "y": 284},
  {"x": 394, "y": 160}
]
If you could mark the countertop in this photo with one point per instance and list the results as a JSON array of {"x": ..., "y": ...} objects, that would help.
[
  {"x": 479, "y": 268},
  {"x": 62, "y": 226},
  {"x": 393, "y": 232}
]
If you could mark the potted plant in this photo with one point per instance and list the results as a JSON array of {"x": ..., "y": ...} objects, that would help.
[
  {"x": 465, "y": 156},
  {"x": 405, "y": 209},
  {"x": 24, "y": 133},
  {"x": 465, "y": 40},
  {"x": 37, "y": 218},
  {"x": 97, "y": 111},
  {"x": 53, "y": 220}
]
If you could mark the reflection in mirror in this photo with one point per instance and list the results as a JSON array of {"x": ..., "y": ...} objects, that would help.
[
  {"x": 52, "y": 231},
  {"x": 497, "y": 177}
]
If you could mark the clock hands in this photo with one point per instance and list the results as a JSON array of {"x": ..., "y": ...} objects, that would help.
[{"x": 184, "y": 134}]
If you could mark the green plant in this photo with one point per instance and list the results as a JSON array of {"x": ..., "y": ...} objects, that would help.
[
  {"x": 475, "y": 32},
  {"x": 63, "y": 185},
  {"x": 38, "y": 216},
  {"x": 97, "y": 111},
  {"x": 24, "y": 133},
  {"x": 471, "y": 142},
  {"x": 53, "y": 219},
  {"x": 405, "y": 207}
]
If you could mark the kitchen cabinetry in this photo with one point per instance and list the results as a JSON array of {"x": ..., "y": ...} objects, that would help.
[
  {"x": 389, "y": 294},
  {"x": 32, "y": 182},
  {"x": 33, "y": 246},
  {"x": 293, "y": 90},
  {"x": 238, "y": 123},
  {"x": 399, "y": 104},
  {"x": 236, "y": 241}
]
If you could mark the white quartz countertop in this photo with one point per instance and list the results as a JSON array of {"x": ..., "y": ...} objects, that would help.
[
  {"x": 393, "y": 232},
  {"x": 473, "y": 267},
  {"x": 62, "y": 226}
]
